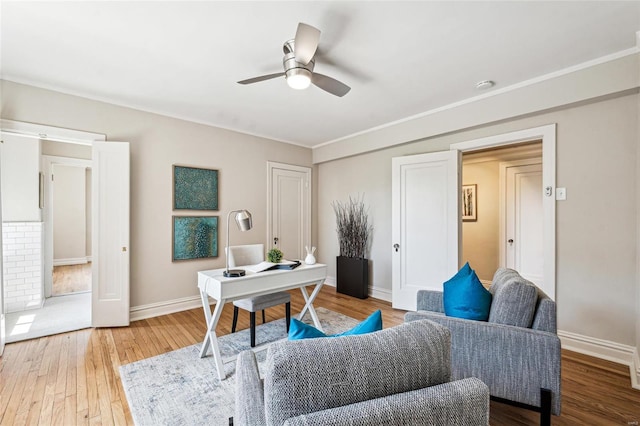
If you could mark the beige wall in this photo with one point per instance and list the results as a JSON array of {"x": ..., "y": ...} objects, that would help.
[
  {"x": 158, "y": 142},
  {"x": 62, "y": 149},
  {"x": 596, "y": 162},
  {"x": 595, "y": 235},
  {"x": 480, "y": 238},
  {"x": 69, "y": 214}
]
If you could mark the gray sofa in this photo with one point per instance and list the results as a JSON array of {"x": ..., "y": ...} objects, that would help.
[
  {"x": 516, "y": 352},
  {"x": 397, "y": 376}
]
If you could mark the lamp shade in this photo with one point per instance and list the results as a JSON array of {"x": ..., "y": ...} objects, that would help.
[
  {"x": 244, "y": 222},
  {"x": 243, "y": 219}
]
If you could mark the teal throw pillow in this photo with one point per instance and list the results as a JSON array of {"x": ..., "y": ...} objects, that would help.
[
  {"x": 299, "y": 330},
  {"x": 465, "y": 296}
]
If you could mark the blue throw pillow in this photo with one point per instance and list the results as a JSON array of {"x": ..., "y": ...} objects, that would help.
[
  {"x": 465, "y": 296},
  {"x": 299, "y": 330}
]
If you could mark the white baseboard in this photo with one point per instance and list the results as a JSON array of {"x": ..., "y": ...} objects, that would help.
[
  {"x": 377, "y": 293},
  {"x": 71, "y": 261},
  {"x": 164, "y": 308},
  {"x": 604, "y": 349},
  {"x": 380, "y": 293},
  {"x": 635, "y": 370}
]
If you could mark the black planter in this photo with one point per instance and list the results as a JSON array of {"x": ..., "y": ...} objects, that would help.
[{"x": 352, "y": 276}]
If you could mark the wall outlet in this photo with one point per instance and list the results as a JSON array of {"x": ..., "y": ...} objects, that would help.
[{"x": 561, "y": 194}]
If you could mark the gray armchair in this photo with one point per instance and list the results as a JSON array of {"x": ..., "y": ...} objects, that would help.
[
  {"x": 516, "y": 352},
  {"x": 397, "y": 376}
]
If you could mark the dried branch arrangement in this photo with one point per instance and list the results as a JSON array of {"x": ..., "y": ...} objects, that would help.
[{"x": 354, "y": 230}]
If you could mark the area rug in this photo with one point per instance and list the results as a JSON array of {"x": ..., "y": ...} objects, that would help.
[{"x": 180, "y": 388}]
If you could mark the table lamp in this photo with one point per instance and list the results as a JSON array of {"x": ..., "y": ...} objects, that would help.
[{"x": 243, "y": 220}]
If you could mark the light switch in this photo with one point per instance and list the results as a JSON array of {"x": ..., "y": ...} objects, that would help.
[{"x": 561, "y": 194}]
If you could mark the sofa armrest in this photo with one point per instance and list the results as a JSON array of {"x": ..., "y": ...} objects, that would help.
[
  {"x": 430, "y": 300},
  {"x": 249, "y": 391},
  {"x": 514, "y": 362},
  {"x": 463, "y": 402}
]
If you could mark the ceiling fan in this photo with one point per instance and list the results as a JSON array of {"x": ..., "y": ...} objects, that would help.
[{"x": 298, "y": 64}]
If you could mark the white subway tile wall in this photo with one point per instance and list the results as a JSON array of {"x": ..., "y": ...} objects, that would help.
[{"x": 23, "y": 261}]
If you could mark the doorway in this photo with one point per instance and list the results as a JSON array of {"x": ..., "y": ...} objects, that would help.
[
  {"x": 48, "y": 308},
  {"x": 434, "y": 179},
  {"x": 67, "y": 219},
  {"x": 506, "y": 230}
]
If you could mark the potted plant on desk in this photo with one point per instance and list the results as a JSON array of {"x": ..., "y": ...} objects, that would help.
[{"x": 354, "y": 234}]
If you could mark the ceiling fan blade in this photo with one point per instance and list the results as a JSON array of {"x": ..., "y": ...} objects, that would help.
[
  {"x": 330, "y": 85},
  {"x": 306, "y": 43},
  {"x": 261, "y": 78}
]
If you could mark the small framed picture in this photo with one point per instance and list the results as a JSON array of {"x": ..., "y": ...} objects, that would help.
[
  {"x": 195, "y": 188},
  {"x": 195, "y": 237},
  {"x": 469, "y": 203}
]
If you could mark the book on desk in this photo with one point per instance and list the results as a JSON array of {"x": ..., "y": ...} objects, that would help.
[{"x": 270, "y": 266}]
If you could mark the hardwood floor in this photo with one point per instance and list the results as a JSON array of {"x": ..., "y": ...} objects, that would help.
[
  {"x": 71, "y": 279},
  {"x": 73, "y": 378}
]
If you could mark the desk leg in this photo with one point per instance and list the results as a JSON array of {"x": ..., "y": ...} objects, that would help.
[
  {"x": 211, "y": 339},
  {"x": 309, "y": 304}
]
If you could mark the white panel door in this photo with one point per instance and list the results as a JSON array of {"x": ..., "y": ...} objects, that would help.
[
  {"x": 110, "y": 245},
  {"x": 524, "y": 215},
  {"x": 290, "y": 209},
  {"x": 426, "y": 224}
]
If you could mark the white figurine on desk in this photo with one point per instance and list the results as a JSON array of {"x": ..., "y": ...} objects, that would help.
[{"x": 310, "y": 259}]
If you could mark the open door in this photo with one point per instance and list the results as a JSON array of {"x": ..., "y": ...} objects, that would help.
[
  {"x": 426, "y": 224},
  {"x": 110, "y": 245}
]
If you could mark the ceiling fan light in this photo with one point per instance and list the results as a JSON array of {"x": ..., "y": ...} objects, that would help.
[{"x": 298, "y": 78}]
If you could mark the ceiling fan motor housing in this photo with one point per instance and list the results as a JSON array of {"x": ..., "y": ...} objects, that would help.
[{"x": 291, "y": 66}]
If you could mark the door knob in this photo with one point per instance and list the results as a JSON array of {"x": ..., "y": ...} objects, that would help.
[
  {"x": 396, "y": 246},
  {"x": 510, "y": 240},
  {"x": 275, "y": 241}
]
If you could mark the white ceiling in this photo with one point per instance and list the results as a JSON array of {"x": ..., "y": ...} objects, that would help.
[{"x": 183, "y": 59}]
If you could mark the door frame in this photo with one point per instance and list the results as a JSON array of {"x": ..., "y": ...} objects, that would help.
[
  {"x": 48, "y": 161},
  {"x": 271, "y": 165},
  {"x": 547, "y": 134}
]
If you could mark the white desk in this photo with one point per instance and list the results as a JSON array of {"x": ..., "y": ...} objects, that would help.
[{"x": 225, "y": 289}]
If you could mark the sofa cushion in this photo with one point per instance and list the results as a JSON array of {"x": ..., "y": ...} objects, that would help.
[
  {"x": 310, "y": 375},
  {"x": 514, "y": 299},
  {"x": 464, "y": 296},
  {"x": 299, "y": 330}
]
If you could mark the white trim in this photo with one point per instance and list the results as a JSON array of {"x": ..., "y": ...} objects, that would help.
[
  {"x": 603, "y": 349},
  {"x": 49, "y": 133},
  {"x": 70, "y": 261},
  {"x": 380, "y": 293},
  {"x": 635, "y": 370},
  {"x": 143, "y": 108},
  {"x": 374, "y": 292},
  {"x": 164, "y": 308},
  {"x": 547, "y": 134},
  {"x": 513, "y": 87}
]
